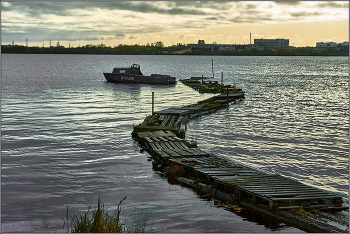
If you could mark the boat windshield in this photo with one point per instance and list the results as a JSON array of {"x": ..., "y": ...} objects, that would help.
[{"x": 135, "y": 66}]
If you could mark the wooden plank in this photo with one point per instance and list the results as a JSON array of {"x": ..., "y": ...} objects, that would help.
[
  {"x": 242, "y": 183},
  {"x": 231, "y": 169},
  {"x": 150, "y": 119},
  {"x": 175, "y": 146},
  {"x": 167, "y": 145},
  {"x": 157, "y": 145},
  {"x": 162, "y": 138},
  {"x": 279, "y": 187},
  {"x": 162, "y": 154},
  {"x": 152, "y": 145},
  {"x": 172, "y": 121},
  {"x": 141, "y": 127},
  {"x": 165, "y": 120},
  {"x": 170, "y": 133},
  {"x": 178, "y": 145},
  {"x": 236, "y": 171},
  {"x": 154, "y": 138},
  {"x": 272, "y": 181},
  {"x": 172, "y": 153},
  {"x": 178, "y": 138},
  {"x": 252, "y": 180},
  {"x": 162, "y": 145},
  {"x": 259, "y": 178},
  {"x": 294, "y": 194},
  {"x": 148, "y": 140},
  {"x": 273, "y": 191},
  {"x": 184, "y": 145},
  {"x": 309, "y": 190},
  {"x": 168, "y": 138},
  {"x": 302, "y": 198},
  {"x": 216, "y": 173},
  {"x": 161, "y": 117},
  {"x": 178, "y": 121},
  {"x": 161, "y": 133},
  {"x": 145, "y": 121},
  {"x": 182, "y": 152}
]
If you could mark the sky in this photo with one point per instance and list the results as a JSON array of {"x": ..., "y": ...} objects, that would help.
[{"x": 78, "y": 23}]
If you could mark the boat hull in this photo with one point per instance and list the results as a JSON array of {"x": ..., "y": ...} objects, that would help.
[{"x": 126, "y": 78}]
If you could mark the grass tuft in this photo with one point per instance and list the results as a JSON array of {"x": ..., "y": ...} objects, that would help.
[
  {"x": 176, "y": 170},
  {"x": 304, "y": 212},
  {"x": 99, "y": 221}
]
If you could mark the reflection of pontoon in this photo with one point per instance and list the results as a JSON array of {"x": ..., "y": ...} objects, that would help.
[{"x": 134, "y": 75}]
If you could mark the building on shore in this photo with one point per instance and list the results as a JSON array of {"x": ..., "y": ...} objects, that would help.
[
  {"x": 321, "y": 46},
  {"x": 259, "y": 44},
  {"x": 271, "y": 44},
  {"x": 217, "y": 48}
]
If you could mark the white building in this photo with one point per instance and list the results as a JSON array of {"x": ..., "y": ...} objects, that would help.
[
  {"x": 271, "y": 44},
  {"x": 321, "y": 46}
]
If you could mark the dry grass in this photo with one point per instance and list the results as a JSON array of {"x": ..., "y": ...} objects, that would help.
[
  {"x": 304, "y": 212},
  {"x": 176, "y": 170},
  {"x": 99, "y": 221}
]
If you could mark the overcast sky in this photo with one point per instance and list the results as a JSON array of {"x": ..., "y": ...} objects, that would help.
[{"x": 141, "y": 22}]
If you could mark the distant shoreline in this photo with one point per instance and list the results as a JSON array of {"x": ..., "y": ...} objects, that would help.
[
  {"x": 272, "y": 55},
  {"x": 174, "y": 50}
]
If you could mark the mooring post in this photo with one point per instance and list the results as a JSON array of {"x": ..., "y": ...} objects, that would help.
[
  {"x": 222, "y": 80},
  {"x": 152, "y": 103},
  {"x": 227, "y": 96}
]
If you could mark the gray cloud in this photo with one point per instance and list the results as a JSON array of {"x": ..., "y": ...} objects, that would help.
[
  {"x": 305, "y": 14},
  {"x": 251, "y": 17},
  {"x": 36, "y": 9},
  {"x": 289, "y": 3},
  {"x": 333, "y": 5},
  {"x": 120, "y": 36},
  {"x": 32, "y": 19}
]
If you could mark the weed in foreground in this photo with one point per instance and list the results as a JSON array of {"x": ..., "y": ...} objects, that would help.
[{"x": 99, "y": 221}]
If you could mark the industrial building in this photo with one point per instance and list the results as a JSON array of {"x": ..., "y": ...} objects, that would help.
[
  {"x": 271, "y": 44},
  {"x": 259, "y": 44}
]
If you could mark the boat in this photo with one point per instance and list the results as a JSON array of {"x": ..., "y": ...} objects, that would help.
[{"x": 133, "y": 74}]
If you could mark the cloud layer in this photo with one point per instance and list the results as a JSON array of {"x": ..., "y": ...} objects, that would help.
[{"x": 131, "y": 20}]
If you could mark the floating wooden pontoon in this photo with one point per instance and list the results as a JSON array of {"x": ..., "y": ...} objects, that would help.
[{"x": 163, "y": 135}]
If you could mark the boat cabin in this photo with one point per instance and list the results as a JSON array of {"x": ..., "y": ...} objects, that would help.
[{"x": 134, "y": 69}]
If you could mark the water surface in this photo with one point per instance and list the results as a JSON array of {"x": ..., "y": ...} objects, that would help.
[{"x": 66, "y": 136}]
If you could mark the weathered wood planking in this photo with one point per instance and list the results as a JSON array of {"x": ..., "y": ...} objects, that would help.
[
  {"x": 165, "y": 121},
  {"x": 278, "y": 191}
]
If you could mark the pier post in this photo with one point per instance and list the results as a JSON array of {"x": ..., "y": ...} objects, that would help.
[
  {"x": 222, "y": 78},
  {"x": 227, "y": 95},
  {"x": 152, "y": 103}
]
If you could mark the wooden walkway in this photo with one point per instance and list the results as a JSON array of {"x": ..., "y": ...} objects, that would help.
[
  {"x": 240, "y": 182},
  {"x": 162, "y": 135},
  {"x": 174, "y": 119}
]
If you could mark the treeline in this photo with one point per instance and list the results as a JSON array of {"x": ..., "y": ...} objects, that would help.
[
  {"x": 153, "y": 48},
  {"x": 158, "y": 48}
]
